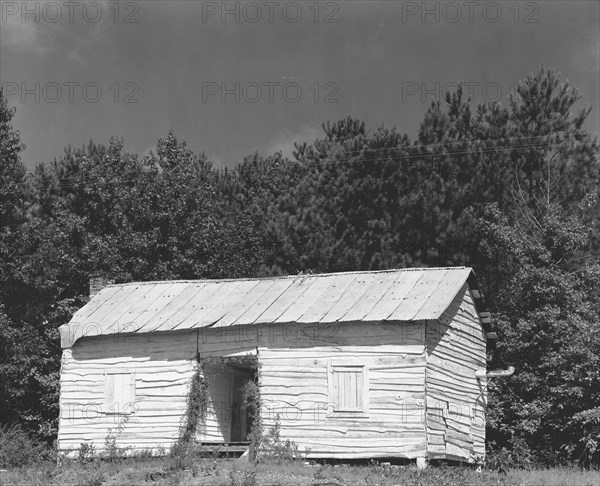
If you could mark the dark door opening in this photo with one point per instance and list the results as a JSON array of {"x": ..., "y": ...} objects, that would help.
[{"x": 240, "y": 422}]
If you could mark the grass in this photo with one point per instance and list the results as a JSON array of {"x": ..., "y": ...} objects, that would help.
[
  {"x": 25, "y": 461},
  {"x": 230, "y": 472}
]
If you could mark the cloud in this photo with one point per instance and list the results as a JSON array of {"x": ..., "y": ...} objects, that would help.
[
  {"x": 39, "y": 27},
  {"x": 88, "y": 37},
  {"x": 19, "y": 33},
  {"x": 285, "y": 141}
]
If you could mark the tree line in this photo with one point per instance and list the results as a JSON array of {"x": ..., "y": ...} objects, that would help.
[{"x": 509, "y": 190}]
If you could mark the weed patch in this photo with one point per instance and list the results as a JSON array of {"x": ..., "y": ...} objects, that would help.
[{"x": 20, "y": 448}]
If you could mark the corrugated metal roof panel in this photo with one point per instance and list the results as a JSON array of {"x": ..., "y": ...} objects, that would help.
[
  {"x": 361, "y": 310},
  {"x": 270, "y": 295},
  {"x": 183, "y": 293},
  {"x": 128, "y": 310},
  {"x": 96, "y": 303},
  {"x": 359, "y": 285},
  {"x": 157, "y": 301},
  {"x": 247, "y": 294},
  {"x": 394, "y": 296},
  {"x": 333, "y": 293},
  {"x": 113, "y": 308},
  {"x": 390, "y": 295},
  {"x": 315, "y": 287},
  {"x": 418, "y": 296},
  {"x": 428, "y": 292},
  {"x": 283, "y": 302},
  {"x": 444, "y": 293},
  {"x": 192, "y": 315},
  {"x": 218, "y": 304},
  {"x": 143, "y": 310}
]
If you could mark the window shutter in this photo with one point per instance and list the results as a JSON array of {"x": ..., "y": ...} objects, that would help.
[
  {"x": 119, "y": 393},
  {"x": 109, "y": 393},
  {"x": 348, "y": 388}
]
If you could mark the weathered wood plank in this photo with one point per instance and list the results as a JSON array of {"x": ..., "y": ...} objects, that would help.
[{"x": 456, "y": 348}]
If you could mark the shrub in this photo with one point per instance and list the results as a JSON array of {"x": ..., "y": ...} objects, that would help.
[
  {"x": 111, "y": 450},
  {"x": 519, "y": 456},
  {"x": 587, "y": 427},
  {"x": 245, "y": 477},
  {"x": 86, "y": 451},
  {"x": 273, "y": 448},
  {"x": 18, "y": 447}
]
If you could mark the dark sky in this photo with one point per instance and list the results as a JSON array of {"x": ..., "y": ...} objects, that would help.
[{"x": 381, "y": 61}]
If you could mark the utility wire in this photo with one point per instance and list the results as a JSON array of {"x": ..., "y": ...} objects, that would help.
[{"x": 389, "y": 157}]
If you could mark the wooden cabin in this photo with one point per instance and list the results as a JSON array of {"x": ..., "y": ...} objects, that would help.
[{"x": 375, "y": 364}]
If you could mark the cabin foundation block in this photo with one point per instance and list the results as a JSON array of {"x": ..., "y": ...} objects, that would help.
[{"x": 421, "y": 463}]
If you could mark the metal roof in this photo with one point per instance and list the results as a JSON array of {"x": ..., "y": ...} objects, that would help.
[{"x": 389, "y": 295}]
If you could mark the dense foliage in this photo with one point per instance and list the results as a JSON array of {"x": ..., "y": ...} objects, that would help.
[{"x": 511, "y": 191}]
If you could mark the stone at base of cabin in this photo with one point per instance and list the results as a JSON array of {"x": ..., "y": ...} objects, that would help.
[
  {"x": 245, "y": 457},
  {"x": 421, "y": 463}
]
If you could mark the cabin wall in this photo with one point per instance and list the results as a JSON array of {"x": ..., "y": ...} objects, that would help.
[
  {"x": 295, "y": 377},
  {"x": 295, "y": 365},
  {"x": 456, "y": 399},
  {"x": 294, "y": 384},
  {"x": 162, "y": 366}
]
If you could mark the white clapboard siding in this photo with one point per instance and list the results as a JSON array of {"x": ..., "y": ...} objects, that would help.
[
  {"x": 294, "y": 383},
  {"x": 152, "y": 371},
  {"x": 456, "y": 349},
  {"x": 295, "y": 386}
]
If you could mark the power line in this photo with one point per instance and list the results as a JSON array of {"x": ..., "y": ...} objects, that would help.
[
  {"x": 390, "y": 158},
  {"x": 412, "y": 147}
]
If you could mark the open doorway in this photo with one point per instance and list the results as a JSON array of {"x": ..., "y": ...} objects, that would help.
[{"x": 227, "y": 421}]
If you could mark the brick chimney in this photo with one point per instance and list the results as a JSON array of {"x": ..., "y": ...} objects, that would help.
[{"x": 97, "y": 284}]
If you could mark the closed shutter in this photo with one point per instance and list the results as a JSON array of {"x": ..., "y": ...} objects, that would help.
[
  {"x": 119, "y": 393},
  {"x": 348, "y": 388}
]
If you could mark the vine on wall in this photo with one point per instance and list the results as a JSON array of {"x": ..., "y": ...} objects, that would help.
[
  {"x": 197, "y": 405},
  {"x": 197, "y": 400},
  {"x": 251, "y": 404},
  {"x": 268, "y": 445}
]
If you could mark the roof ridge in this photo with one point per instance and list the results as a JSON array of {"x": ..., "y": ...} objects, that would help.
[
  {"x": 282, "y": 277},
  {"x": 397, "y": 294}
]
